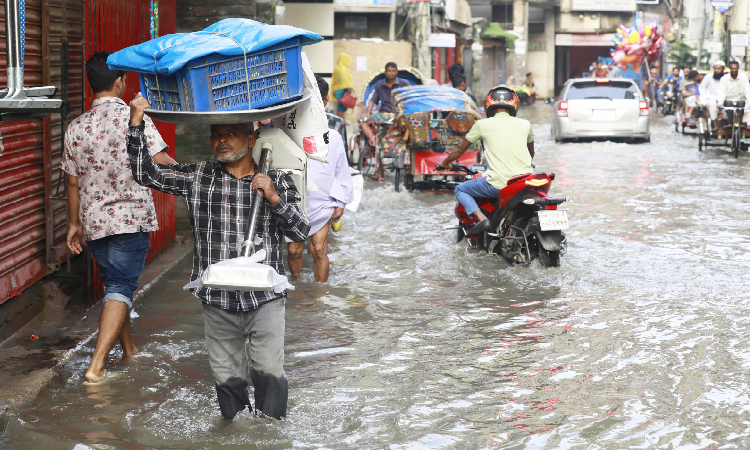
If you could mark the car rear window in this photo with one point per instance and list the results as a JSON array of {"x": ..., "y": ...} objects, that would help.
[{"x": 612, "y": 90}]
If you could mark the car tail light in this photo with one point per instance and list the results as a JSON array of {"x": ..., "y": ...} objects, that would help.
[
  {"x": 643, "y": 105},
  {"x": 562, "y": 109}
]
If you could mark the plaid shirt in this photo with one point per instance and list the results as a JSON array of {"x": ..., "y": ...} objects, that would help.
[{"x": 219, "y": 206}]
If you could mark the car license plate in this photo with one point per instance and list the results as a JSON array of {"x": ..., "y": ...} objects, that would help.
[
  {"x": 553, "y": 220},
  {"x": 604, "y": 114}
]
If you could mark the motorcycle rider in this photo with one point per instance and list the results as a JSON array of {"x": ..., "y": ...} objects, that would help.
[
  {"x": 508, "y": 145},
  {"x": 710, "y": 91},
  {"x": 735, "y": 87}
]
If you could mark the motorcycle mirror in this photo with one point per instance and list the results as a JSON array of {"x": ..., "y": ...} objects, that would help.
[{"x": 437, "y": 147}]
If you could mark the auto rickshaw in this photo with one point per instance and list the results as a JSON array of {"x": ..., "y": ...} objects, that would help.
[
  {"x": 430, "y": 120},
  {"x": 371, "y": 160}
]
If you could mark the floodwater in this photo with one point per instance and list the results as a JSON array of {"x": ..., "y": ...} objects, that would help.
[{"x": 641, "y": 339}]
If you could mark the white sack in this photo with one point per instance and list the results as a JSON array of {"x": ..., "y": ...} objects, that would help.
[
  {"x": 358, "y": 183},
  {"x": 307, "y": 124},
  {"x": 245, "y": 273}
]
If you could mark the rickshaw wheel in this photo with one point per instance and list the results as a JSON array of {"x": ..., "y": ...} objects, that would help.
[
  {"x": 736, "y": 142},
  {"x": 368, "y": 161},
  {"x": 409, "y": 182},
  {"x": 397, "y": 181}
]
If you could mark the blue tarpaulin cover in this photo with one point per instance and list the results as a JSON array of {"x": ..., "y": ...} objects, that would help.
[
  {"x": 168, "y": 54},
  {"x": 414, "y": 99}
]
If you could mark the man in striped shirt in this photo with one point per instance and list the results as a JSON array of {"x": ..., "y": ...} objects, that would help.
[{"x": 244, "y": 330}]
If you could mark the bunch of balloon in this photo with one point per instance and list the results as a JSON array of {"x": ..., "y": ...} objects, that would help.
[{"x": 633, "y": 44}]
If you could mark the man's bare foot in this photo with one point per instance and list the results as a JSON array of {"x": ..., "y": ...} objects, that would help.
[
  {"x": 94, "y": 377},
  {"x": 129, "y": 354}
]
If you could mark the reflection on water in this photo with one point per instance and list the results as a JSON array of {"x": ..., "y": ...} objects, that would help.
[{"x": 639, "y": 340}]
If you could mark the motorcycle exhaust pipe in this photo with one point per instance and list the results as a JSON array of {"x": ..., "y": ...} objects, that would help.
[{"x": 451, "y": 227}]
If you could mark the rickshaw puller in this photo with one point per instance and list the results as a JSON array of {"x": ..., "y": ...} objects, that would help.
[
  {"x": 734, "y": 88},
  {"x": 509, "y": 146}
]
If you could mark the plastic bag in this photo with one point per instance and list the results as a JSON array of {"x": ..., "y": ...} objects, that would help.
[
  {"x": 245, "y": 273},
  {"x": 307, "y": 124}
]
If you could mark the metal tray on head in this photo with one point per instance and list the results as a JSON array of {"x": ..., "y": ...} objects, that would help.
[{"x": 225, "y": 117}]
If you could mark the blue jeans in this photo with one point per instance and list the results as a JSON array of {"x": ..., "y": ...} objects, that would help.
[
  {"x": 467, "y": 191},
  {"x": 120, "y": 258}
]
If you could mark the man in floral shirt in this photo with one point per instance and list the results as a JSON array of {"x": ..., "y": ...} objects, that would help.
[{"x": 106, "y": 207}]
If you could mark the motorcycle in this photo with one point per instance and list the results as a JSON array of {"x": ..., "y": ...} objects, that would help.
[
  {"x": 670, "y": 99},
  {"x": 525, "y": 221}
]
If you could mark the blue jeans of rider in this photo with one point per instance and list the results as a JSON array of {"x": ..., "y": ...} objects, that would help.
[
  {"x": 467, "y": 191},
  {"x": 120, "y": 258}
]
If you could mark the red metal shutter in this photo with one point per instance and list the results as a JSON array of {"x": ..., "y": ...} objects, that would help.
[
  {"x": 22, "y": 187},
  {"x": 114, "y": 25}
]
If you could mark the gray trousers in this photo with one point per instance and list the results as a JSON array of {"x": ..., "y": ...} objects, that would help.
[{"x": 248, "y": 344}]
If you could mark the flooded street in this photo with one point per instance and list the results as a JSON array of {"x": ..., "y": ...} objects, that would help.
[{"x": 641, "y": 339}]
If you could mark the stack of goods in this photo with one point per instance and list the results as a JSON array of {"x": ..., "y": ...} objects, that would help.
[{"x": 233, "y": 65}]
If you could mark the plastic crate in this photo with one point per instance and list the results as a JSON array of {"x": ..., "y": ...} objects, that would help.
[
  {"x": 164, "y": 95},
  {"x": 218, "y": 83}
]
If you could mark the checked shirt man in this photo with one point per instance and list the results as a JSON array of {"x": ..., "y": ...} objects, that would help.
[{"x": 244, "y": 330}]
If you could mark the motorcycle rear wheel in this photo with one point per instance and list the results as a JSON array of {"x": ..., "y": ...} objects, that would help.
[{"x": 549, "y": 259}]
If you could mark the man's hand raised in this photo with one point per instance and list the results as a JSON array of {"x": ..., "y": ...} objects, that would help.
[
  {"x": 265, "y": 185},
  {"x": 137, "y": 106}
]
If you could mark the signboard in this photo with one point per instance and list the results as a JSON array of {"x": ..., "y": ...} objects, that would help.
[
  {"x": 442, "y": 40},
  {"x": 739, "y": 40},
  {"x": 367, "y": 3},
  {"x": 722, "y": 5},
  {"x": 714, "y": 47},
  {"x": 603, "y": 5},
  {"x": 584, "y": 40}
]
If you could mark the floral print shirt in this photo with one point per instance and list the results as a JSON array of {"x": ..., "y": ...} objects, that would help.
[{"x": 95, "y": 151}]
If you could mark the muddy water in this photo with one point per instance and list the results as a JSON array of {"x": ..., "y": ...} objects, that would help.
[{"x": 639, "y": 340}]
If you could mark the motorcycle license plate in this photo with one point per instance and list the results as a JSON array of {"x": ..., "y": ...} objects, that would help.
[{"x": 553, "y": 220}]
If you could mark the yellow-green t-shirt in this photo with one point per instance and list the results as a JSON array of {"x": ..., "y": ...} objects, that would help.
[{"x": 505, "y": 140}]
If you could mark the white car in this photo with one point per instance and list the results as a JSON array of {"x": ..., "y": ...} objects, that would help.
[{"x": 600, "y": 108}]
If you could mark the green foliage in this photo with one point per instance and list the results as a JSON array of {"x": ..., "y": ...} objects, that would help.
[{"x": 681, "y": 54}]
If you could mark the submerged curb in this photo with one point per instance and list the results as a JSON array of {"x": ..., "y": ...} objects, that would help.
[{"x": 27, "y": 376}]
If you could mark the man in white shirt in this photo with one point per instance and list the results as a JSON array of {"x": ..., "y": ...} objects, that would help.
[
  {"x": 709, "y": 90},
  {"x": 735, "y": 87}
]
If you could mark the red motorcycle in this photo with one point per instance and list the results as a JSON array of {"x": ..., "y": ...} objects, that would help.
[{"x": 526, "y": 223}]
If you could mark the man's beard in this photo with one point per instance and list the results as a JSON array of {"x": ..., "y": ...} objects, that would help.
[
  {"x": 234, "y": 158},
  {"x": 717, "y": 76}
]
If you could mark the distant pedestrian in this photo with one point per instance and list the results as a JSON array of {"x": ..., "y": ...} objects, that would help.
[
  {"x": 456, "y": 70},
  {"x": 459, "y": 82},
  {"x": 106, "y": 207},
  {"x": 615, "y": 71},
  {"x": 342, "y": 82}
]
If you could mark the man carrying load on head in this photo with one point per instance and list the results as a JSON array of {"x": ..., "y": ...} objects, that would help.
[{"x": 244, "y": 330}]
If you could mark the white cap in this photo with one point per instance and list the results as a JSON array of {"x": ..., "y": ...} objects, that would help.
[{"x": 719, "y": 63}]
